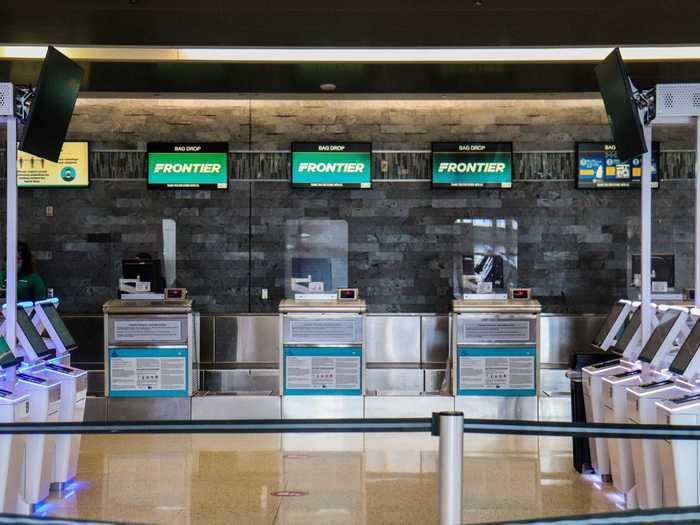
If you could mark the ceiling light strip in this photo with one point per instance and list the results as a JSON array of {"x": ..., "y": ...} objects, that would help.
[{"x": 355, "y": 55}]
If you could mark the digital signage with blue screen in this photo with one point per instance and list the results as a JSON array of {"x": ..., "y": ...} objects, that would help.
[{"x": 598, "y": 167}]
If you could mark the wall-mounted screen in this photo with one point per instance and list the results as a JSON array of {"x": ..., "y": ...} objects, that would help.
[
  {"x": 332, "y": 165},
  {"x": 472, "y": 164},
  {"x": 663, "y": 271},
  {"x": 188, "y": 165},
  {"x": 71, "y": 170},
  {"x": 598, "y": 167}
]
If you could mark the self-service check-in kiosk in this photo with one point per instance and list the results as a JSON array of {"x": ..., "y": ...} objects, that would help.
[
  {"x": 14, "y": 408},
  {"x": 73, "y": 387},
  {"x": 150, "y": 348},
  {"x": 642, "y": 399},
  {"x": 679, "y": 461},
  {"x": 653, "y": 358},
  {"x": 44, "y": 392},
  {"x": 628, "y": 346}
]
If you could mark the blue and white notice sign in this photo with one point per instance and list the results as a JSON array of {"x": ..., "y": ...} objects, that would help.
[
  {"x": 322, "y": 371},
  {"x": 148, "y": 372},
  {"x": 502, "y": 371}
]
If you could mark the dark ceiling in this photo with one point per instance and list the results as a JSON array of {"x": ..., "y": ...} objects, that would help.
[
  {"x": 364, "y": 23},
  {"x": 350, "y": 23}
]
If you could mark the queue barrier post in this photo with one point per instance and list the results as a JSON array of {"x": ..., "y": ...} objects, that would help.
[{"x": 449, "y": 426}]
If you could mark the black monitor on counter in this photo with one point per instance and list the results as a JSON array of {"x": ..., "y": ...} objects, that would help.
[
  {"x": 146, "y": 270},
  {"x": 623, "y": 114}
]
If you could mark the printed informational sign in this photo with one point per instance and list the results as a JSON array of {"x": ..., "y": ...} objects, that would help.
[
  {"x": 322, "y": 371},
  {"x": 472, "y": 164},
  {"x": 496, "y": 371},
  {"x": 188, "y": 165},
  {"x": 478, "y": 329},
  {"x": 331, "y": 165},
  {"x": 599, "y": 167},
  {"x": 71, "y": 170},
  {"x": 147, "y": 330},
  {"x": 152, "y": 372},
  {"x": 323, "y": 329}
]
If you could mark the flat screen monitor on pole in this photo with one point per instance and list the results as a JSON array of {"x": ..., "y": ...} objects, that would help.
[
  {"x": 52, "y": 107},
  {"x": 616, "y": 90}
]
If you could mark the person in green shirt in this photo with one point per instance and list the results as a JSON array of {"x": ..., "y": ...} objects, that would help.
[{"x": 30, "y": 285}]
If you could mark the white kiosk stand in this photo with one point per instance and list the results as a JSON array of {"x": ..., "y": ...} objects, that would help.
[
  {"x": 641, "y": 409},
  {"x": 629, "y": 345},
  {"x": 652, "y": 359},
  {"x": 44, "y": 405},
  {"x": 14, "y": 408},
  {"x": 73, "y": 388}
]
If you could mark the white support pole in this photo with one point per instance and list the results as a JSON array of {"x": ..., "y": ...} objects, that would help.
[
  {"x": 11, "y": 247},
  {"x": 697, "y": 212},
  {"x": 645, "y": 255},
  {"x": 451, "y": 464}
]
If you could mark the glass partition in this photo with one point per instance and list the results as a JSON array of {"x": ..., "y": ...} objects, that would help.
[
  {"x": 316, "y": 258},
  {"x": 485, "y": 257}
]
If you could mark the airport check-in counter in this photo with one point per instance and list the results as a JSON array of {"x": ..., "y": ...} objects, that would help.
[
  {"x": 322, "y": 361},
  {"x": 495, "y": 358},
  {"x": 150, "y": 348}
]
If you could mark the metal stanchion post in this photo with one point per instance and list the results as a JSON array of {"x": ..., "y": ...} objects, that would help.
[{"x": 450, "y": 427}]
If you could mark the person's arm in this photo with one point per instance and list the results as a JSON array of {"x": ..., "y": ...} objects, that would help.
[{"x": 38, "y": 287}]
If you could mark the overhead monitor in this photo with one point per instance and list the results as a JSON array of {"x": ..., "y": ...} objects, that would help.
[
  {"x": 610, "y": 321},
  {"x": 52, "y": 107},
  {"x": 472, "y": 164},
  {"x": 616, "y": 90},
  {"x": 688, "y": 350},
  {"x": 663, "y": 271},
  {"x": 188, "y": 165},
  {"x": 332, "y": 165},
  {"x": 658, "y": 336},
  {"x": 629, "y": 332},
  {"x": 598, "y": 167},
  {"x": 71, "y": 170}
]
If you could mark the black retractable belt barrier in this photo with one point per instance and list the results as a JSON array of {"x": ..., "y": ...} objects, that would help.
[{"x": 680, "y": 516}]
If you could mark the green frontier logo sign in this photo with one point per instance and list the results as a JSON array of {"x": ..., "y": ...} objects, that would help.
[
  {"x": 472, "y": 165},
  {"x": 188, "y": 166},
  {"x": 332, "y": 165}
]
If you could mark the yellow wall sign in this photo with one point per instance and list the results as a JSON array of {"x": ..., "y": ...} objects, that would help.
[{"x": 71, "y": 170}]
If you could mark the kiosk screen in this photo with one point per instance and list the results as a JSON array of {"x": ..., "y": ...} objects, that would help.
[
  {"x": 687, "y": 351},
  {"x": 608, "y": 324},
  {"x": 657, "y": 338},
  {"x": 60, "y": 327},
  {"x": 35, "y": 340},
  {"x": 630, "y": 331},
  {"x": 7, "y": 358}
]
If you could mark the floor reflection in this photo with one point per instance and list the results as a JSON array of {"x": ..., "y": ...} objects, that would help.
[{"x": 354, "y": 479}]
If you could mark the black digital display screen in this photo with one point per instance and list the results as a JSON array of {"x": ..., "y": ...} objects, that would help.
[
  {"x": 58, "y": 368},
  {"x": 60, "y": 326},
  {"x": 657, "y": 338},
  {"x": 29, "y": 330},
  {"x": 655, "y": 384},
  {"x": 630, "y": 330},
  {"x": 687, "y": 352},
  {"x": 606, "y": 364},
  {"x": 31, "y": 379},
  {"x": 608, "y": 324},
  {"x": 686, "y": 399},
  {"x": 628, "y": 374}
]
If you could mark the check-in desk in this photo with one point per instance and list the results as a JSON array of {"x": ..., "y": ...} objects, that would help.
[
  {"x": 322, "y": 358},
  {"x": 150, "y": 352},
  {"x": 495, "y": 358}
]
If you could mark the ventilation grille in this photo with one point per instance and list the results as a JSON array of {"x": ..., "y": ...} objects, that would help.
[
  {"x": 6, "y": 99},
  {"x": 677, "y": 100}
]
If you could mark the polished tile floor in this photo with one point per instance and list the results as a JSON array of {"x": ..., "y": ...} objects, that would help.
[{"x": 372, "y": 479}]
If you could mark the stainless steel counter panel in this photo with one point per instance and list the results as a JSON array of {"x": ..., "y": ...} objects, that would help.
[
  {"x": 561, "y": 335},
  {"x": 358, "y": 306},
  {"x": 138, "y": 306},
  {"x": 246, "y": 339},
  {"x": 393, "y": 339},
  {"x": 435, "y": 336},
  {"x": 433, "y": 380},
  {"x": 241, "y": 380},
  {"x": 381, "y": 381}
]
